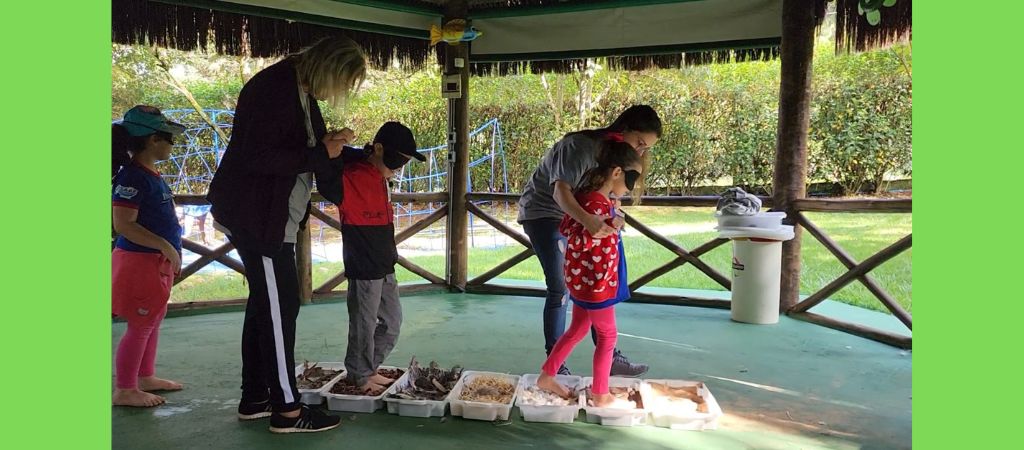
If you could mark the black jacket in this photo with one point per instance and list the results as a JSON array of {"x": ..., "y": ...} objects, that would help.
[{"x": 249, "y": 193}]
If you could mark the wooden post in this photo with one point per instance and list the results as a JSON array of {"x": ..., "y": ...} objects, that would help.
[
  {"x": 304, "y": 264},
  {"x": 458, "y": 150},
  {"x": 790, "y": 175}
]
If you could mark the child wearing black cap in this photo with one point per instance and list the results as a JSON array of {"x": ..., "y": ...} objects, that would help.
[{"x": 370, "y": 254}]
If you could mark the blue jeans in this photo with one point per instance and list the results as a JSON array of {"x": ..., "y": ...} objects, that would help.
[{"x": 545, "y": 237}]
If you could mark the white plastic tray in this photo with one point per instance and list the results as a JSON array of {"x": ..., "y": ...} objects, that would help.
[
  {"x": 315, "y": 396},
  {"x": 661, "y": 416},
  {"x": 616, "y": 417},
  {"x": 415, "y": 408},
  {"x": 482, "y": 410},
  {"x": 358, "y": 403},
  {"x": 550, "y": 414},
  {"x": 759, "y": 220},
  {"x": 782, "y": 233}
]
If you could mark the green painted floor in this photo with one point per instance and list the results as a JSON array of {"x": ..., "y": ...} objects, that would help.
[{"x": 791, "y": 385}]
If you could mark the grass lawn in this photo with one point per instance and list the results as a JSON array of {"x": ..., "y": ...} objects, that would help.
[{"x": 860, "y": 234}]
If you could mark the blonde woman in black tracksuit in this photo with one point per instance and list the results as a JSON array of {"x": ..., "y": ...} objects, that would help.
[{"x": 260, "y": 199}]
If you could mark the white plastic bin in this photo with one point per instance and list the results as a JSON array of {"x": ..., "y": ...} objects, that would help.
[
  {"x": 662, "y": 416},
  {"x": 756, "y": 280},
  {"x": 415, "y": 408},
  {"x": 358, "y": 403},
  {"x": 551, "y": 414},
  {"x": 314, "y": 396},
  {"x": 616, "y": 417},
  {"x": 482, "y": 410}
]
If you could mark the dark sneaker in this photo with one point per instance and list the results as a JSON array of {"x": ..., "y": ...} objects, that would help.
[
  {"x": 252, "y": 411},
  {"x": 621, "y": 367},
  {"x": 564, "y": 370},
  {"x": 309, "y": 420}
]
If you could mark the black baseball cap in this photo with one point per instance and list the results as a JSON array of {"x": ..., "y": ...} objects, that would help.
[{"x": 397, "y": 137}]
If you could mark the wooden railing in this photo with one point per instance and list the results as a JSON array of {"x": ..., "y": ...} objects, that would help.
[
  {"x": 859, "y": 271},
  {"x": 480, "y": 283},
  {"x": 303, "y": 255}
]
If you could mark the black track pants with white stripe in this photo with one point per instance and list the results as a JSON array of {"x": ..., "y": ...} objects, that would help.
[{"x": 268, "y": 335}]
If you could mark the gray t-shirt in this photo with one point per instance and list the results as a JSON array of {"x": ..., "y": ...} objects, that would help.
[
  {"x": 298, "y": 201},
  {"x": 566, "y": 161}
]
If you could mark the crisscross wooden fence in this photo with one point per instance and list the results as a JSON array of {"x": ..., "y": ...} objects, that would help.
[{"x": 482, "y": 283}]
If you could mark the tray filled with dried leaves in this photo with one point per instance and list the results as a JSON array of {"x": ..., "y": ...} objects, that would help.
[
  {"x": 342, "y": 395},
  {"x": 424, "y": 391},
  {"x": 311, "y": 378}
]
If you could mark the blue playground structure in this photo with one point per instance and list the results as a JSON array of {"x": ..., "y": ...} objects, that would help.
[{"x": 194, "y": 161}]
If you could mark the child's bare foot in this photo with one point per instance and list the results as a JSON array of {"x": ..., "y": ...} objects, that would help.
[
  {"x": 136, "y": 397},
  {"x": 602, "y": 400},
  {"x": 150, "y": 384},
  {"x": 371, "y": 388},
  {"x": 381, "y": 379},
  {"x": 550, "y": 384}
]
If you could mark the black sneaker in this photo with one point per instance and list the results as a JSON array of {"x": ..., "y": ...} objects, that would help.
[
  {"x": 621, "y": 367},
  {"x": 309, "y": 420},
  {"x": 564, "y": 370},
  {"x": 253, "y": 411}
]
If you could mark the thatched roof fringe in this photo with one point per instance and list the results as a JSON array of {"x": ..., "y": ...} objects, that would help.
[
  {"x": 671, "y": 61},
  {"x": 193, "y": 29},
  {"x": 853, "y": 32}
]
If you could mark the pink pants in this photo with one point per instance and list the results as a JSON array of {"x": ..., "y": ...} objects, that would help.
[
  {"x": 141, "y": 287},
  {"x": 136, "y": 354},
  {"x": 603, "y": 321}
]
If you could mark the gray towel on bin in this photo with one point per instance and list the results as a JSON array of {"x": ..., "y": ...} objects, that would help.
[{"x": 737, "y": 202}]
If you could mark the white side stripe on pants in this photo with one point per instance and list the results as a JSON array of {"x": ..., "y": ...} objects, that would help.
[{"x": 275, "y": 317}]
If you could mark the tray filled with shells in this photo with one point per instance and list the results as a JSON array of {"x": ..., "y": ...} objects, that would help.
[{"x": 538, "y": 405}]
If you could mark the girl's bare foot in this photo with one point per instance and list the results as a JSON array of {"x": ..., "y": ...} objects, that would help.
[
  {"x": 136, "y": 397},
  {"x": 150, "y": 384},
  {"x": 550, "y": 384},
  {"x": 371, "y": 388},
  {"x": 381, "y": 379},
  {"x": 602, "y": 400}
]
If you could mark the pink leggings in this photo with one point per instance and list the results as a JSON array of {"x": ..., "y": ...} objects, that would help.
[
  {"x": 136, "y": 354},
  {"x": 603, "y": 321}
]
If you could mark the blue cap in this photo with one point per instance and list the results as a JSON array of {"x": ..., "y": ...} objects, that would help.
[{"x": 144, "y": 120}]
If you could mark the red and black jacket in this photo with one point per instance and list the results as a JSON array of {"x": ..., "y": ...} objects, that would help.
[{"x": 367, "y": 223}]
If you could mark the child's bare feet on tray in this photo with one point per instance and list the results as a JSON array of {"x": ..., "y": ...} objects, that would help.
[
  {"x": 602, "y": 400},
  {"x": 371, "y": 388},
  {"x": 380, "y": 379},
  {"x": 548, "y": 383}
]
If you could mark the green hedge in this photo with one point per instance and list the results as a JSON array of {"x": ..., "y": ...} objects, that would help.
[{"x": 720, "y": 120}]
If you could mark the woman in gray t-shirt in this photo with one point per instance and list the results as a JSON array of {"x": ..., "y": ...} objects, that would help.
[{"x": 548, "y": 196}]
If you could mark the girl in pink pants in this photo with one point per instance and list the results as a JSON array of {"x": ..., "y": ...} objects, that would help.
[
  {"x": 147, "y": 253},
  {"x": 595, "y": 269}
]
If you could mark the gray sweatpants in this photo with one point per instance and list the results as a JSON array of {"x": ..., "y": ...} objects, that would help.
[{"x": 374, "y": 320}]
